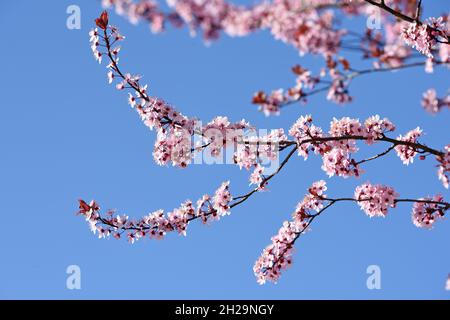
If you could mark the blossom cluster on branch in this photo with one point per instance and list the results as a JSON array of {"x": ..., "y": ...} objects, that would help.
[
  {"x": 174, "y": 143},
  {"x": 179, "y": 138},
  {"x": 375, "y": 200},
  {"x": 432, "y": 103},
  {"x": 156, "y": 224},
  {"x": 312, "y": 27},
  {"x": 307, "y": 25}
]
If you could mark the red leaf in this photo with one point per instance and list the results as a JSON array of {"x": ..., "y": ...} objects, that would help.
[
  {"x": 102, "y": 22},
  {"x": 84, "y": 207}
]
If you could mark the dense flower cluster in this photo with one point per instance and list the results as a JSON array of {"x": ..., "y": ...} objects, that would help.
[
  {"x": 306, "y": 25},
  {"x": 278, "y": 255},
  {"x": 425, "y": 213},
  {"x": 257, "y": 175},
  {"x": 221, "y": 199},
  {"x": 432, "y": 103},
  {"x": 156, "y": 224},
  {"x": 337, "y": 147},
  {"x": 375, "y": 200},
  {"x": 420, "y": 36},
  {"x": 311, "y": 203},
  {"x": 406, "y": 152},
  {"x": 423, "y": 36},
  {"x": 294, "y": 22}
]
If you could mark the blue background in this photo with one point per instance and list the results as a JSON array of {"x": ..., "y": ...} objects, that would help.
[{"x": 65, "y": 134}]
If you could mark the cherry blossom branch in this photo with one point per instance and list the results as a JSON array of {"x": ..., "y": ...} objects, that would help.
[
  {"x": 337, "y": 88},
  {"x": 418, "y": 147},
  {"x": 171, "y": 146},
  {"x": 336, "y": 148},
  {"x": 398, "y": 14},
  {"x": 374, "y": 200},
  {"x": 437, "y": 30}
]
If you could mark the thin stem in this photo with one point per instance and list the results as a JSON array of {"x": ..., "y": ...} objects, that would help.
[{"x": 356, "y": 73}]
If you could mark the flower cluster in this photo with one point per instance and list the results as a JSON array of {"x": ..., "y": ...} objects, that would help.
[
  {"x": 406, "y": 152},
  {"x": 221, "y": 199},
  {"x": 338, "y": 92},
  {"x": 311, "y": 204},
  {"x": 278, "y": 255},
  {"x": 336, "y": 147},
  {"x": 156, "y": 224},
  {"x": 257, "y": 176},
  {"x": 427, "y": 211},
  {"x": 419, "y": 36},
  {"x": 291, "y": 21},
  {"x": 423, "y": 36},
  {"x": 432, "y": 104},
  {"x": 444, "y": 167},
  {"x": 375, "y": 200},
  {"x": 220, "y": 133},
  {"x": 309, "y": 31},
  {"x": 174, "y": 130},
  {"x": 252, "y": 150},
  {"x": 174, "y": 144},
  {"x": 270, "y": 104}
]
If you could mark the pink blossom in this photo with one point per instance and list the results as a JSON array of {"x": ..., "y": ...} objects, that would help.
[
  {"x": 246, "y": 155},
  {"x": 277, "y": 256},
  {"x": 257, "y": 175},
  {"x": 425, "y": 214},
  {"x": 375, "y": 200},
  {"x": 309, "y": 31},
  {"x": 406, "y": 152},
  {"x": 270, "y": 105},
  {"x": 420, "y": 36},
  {"x": 338, "y": 162},
  {"x": 444, "y": 166},
  {"x": 179, "y": 217},
  {"x": 268, "y": 145},
  {"x": 303, "y": 130},
  {"x": 345, "y": 127},
  {"x": 131, "y": 100},
  {"x": 338, "y": 92},
  {"x": 311, "y": 203},
  {"x": 221, "y": 200},
  {"x": 375, "y": 127},
  {"x": 432, "y": 103}
]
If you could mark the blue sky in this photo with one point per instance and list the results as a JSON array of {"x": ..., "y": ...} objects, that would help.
[{"x": 65, "y": 134}]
